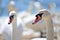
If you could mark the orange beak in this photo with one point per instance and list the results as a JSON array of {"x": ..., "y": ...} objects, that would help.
[{"x": 37, "y": 19}]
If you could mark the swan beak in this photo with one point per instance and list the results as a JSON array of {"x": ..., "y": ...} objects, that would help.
[{"x": 37, "y": 19}]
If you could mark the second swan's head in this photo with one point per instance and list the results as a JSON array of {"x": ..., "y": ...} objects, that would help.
[{"x": 42, "y": 14}]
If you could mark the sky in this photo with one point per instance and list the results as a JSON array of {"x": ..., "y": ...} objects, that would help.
[{"x": 23, "y": 4}]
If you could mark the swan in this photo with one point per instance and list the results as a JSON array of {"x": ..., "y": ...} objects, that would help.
[
  {"x": 47, "y": 17},
  {"x": 6, "y": 29}
]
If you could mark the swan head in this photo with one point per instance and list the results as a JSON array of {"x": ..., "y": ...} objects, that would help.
[{"x": 41, "y": 14}]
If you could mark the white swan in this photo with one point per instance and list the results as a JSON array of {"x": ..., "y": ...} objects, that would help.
[{"x": 47, "y": 17}]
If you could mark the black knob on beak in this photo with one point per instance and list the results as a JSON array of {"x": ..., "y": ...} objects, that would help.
[{"x": 40, "y": 14}]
